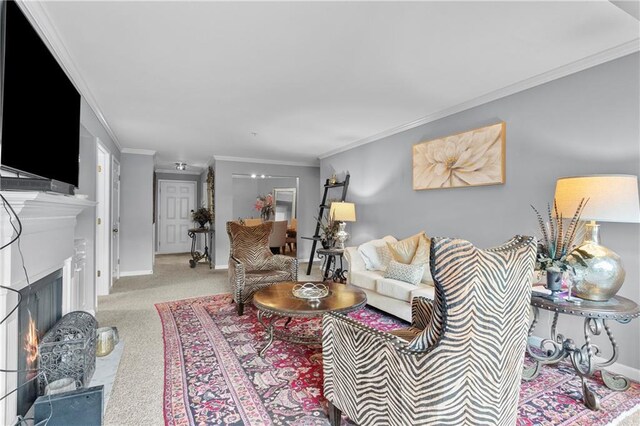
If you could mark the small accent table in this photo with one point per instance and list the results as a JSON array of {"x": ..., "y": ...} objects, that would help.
[
  {"x": 558, "y": 347},
  {"x": 277, "y": 302},
  {"x": 330, "y": 264},
  {"x": 196, "y": 256}
]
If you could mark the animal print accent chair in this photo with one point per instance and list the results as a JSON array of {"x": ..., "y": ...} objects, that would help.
[
  {"x": 251, "y": 263},
  {"x": 463, "y": 368}
]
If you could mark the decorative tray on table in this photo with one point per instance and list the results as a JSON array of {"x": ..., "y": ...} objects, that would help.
[{"x": 310, "y": 291}]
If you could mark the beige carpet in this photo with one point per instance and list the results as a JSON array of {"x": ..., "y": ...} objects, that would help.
[{"x": 136, "y": 398}]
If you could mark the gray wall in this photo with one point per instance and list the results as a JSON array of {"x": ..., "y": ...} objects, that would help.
[
  {"x": 136, "y": 213},
  {"x": 308, "y": 200},
  {"x": 246, "y": 190},
  {"x": 586, "y": 123}
]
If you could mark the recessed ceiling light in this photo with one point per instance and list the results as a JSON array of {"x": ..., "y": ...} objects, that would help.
[
  {"x": 253, "y": 176},
  {"x": 262, "y": 176},
  {"x": 181, "y": 166}
]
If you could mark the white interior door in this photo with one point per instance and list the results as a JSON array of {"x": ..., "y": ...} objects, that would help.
[
  {"x": 176, "y": 199},
  {"x": 115, "y": 220},
  {"x": 103, "y": 222}
]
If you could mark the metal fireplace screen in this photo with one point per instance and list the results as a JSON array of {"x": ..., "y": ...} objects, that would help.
[{"x": 69, "y": 350}]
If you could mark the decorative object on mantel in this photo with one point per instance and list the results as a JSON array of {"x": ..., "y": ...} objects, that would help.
[
  {"x": 264, "y": 204},
  {"x": 208, "y": 331},
  {"x": 599, "y": 273},
  {"x": 342, "y": 213},
  {"x": 472, "y": 158},
  {"x": 555, "y": 244},
  {"x": 202, "y": 216}
]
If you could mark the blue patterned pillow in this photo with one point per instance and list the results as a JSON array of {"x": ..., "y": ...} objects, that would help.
[{"x": 411, "y": 274}]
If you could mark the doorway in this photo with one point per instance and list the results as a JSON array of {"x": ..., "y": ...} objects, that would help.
[
  {"x": 115, "y": 220},
  {"x": 103, "y": 222},
  {"x": 176, "y": 199}
]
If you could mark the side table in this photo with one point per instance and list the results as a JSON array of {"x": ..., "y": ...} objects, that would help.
[
  {"x": 558, "y": 347},
  {"x": 196, "y": 256},
  {"x": 330, "y": 264}
]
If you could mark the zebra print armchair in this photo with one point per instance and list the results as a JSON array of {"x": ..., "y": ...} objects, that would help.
[
  {"x": 463, "y": 366},
  {"x": 251, "y": 263}
]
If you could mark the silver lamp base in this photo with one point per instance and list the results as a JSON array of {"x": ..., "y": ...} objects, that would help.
[
  {"x": 341, "y": 235},
  {"x": 598, "y": 270}
]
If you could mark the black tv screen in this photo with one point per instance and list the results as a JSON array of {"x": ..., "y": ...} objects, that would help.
[{"x": 40, "y": 105}]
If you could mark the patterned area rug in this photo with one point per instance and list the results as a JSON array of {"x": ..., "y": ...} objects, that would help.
[{"x": 213, "y": 374}]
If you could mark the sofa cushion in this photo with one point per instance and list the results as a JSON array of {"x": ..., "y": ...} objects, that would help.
[
  {"x": 395, "y": 289},
  {"x": 369, "y": 253},
  {"x": 404, "y": 250},
  {"x": 422, "y": 257},
  {"x": 411, "y": 274},
  {"x": 384, "y": 254},
  {"x": 365, "y": 279}
]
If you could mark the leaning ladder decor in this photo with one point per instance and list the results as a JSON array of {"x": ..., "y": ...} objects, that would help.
[{"x": 323, "y": 205}]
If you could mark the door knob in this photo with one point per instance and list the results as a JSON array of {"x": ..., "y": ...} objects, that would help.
[{"x": 115, "y": 230}]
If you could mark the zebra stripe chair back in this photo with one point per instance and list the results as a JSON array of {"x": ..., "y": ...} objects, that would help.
[
  {"x": 251, "y": 263},
  {"x": 464, "y": 368}
]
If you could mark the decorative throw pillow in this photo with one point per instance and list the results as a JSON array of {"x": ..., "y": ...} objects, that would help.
[
  {"x": 404, "y": 250},
  {"x": 411, "y": 274},
  {"x": 422, "y": 257},
  {"x": 250, "y": 244},
  {"x": 384, "y": 254},
  {"x": 369, "y": 253}
]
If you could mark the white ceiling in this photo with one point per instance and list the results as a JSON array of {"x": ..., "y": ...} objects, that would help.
[{"x": 191, "y": 80}]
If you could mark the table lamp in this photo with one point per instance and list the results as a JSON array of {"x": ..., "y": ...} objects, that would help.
[
  {"x": 611, "y": 198},
  {"x": 342, "y": 213}
]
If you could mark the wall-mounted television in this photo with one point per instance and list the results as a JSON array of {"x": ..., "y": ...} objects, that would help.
[{"x": 40, "y": 110}]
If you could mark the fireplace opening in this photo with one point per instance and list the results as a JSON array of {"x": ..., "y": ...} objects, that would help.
[{"x": 40, "y": 309}]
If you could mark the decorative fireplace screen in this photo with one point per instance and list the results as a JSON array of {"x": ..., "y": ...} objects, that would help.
[{"x": 69, "y": 350}]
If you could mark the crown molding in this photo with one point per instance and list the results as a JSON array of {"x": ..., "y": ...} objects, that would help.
[
  {"x": 313, "y": 163},
  {"x": 180, "y": 172},
  {"x": 138, "y": 151},
  {"x": 554, "y": 74},
  {"x": 40, "y": 20}
]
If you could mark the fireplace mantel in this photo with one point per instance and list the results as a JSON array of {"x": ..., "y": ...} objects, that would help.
[{"x": 47, "y": 242}]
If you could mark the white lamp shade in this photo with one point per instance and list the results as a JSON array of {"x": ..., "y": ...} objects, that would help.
[
  {"x": 343, "y": 212},
  {"x": 612, "y": 198}
]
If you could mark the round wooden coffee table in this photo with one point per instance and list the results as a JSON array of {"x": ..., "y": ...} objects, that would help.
[{"x": 277, "y": 303}]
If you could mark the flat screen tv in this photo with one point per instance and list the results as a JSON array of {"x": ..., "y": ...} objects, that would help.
[{"x": 40, "y": 106}]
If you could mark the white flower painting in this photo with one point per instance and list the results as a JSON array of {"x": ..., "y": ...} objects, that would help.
[{"x": 471, "y": 158}]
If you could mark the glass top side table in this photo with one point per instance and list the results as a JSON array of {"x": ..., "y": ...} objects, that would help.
[{"x": 558, "y": 347}]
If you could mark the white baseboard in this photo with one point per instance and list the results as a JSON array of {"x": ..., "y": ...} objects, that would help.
[
  {"x": 135, "y": 273},
  {"x": 625, "y": 370},
  {"x": 221, "y": 267}
]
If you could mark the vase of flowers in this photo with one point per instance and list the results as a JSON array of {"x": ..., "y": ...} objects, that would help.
[
  {"x": 329, "y": 229},
  {"x": 202, "y": 216},
  {"x": 264, "y": 204},
  {"x": 556, "y": 243}
]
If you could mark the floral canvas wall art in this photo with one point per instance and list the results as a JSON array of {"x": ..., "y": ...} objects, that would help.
[{"x": 472, "y": 158}]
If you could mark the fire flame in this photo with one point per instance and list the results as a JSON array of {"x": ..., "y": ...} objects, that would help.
[{"x": 31, "y": 344}]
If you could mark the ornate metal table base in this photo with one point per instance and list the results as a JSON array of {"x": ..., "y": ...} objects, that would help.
[
  {"x": 558, "y": 347},
  {"x": 330, "y": 265},
  {"x": 196, "y": 256},
  {"x": 269, "y": 320}
]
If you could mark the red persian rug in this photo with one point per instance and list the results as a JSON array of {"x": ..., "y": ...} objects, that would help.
[{"x": 213, "y": 374}]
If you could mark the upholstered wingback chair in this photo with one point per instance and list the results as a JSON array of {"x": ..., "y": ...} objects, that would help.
[
  {"x": 463, "y": 363},
  {"x": 251, "y": 263}
]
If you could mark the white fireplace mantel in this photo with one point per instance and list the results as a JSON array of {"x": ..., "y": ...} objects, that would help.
[{"x": 47, "y": 242}]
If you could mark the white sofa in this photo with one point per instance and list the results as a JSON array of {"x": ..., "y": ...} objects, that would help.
[{"x": 386, "y": 294}]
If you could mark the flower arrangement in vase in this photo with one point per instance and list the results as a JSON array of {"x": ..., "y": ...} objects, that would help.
[
  {"x": 202, "y": 216},
  {"x": 264, "y": 204},
  {"x": 329, "y": 230},
  {"x": 556, "y": 244}
]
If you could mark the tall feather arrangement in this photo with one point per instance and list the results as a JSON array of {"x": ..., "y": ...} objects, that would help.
[{"x": 557, "y": 241}]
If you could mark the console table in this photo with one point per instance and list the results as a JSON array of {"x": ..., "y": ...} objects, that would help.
[
  {"x": 330, "y": 265},
  {"x": 196, "y": 256},
  {"x": 558, "y": 347}
]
